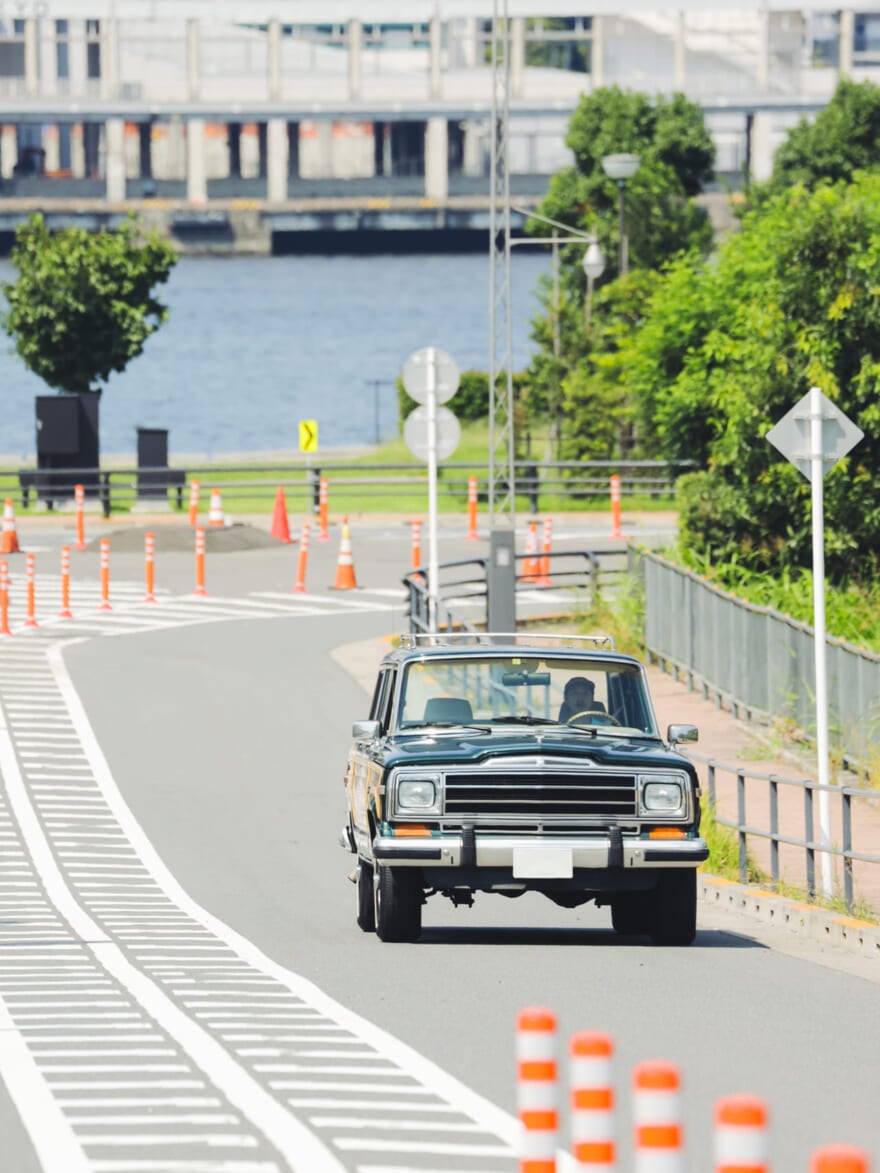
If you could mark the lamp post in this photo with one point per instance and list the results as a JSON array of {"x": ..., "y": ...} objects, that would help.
[
  {"x": 620, "y": 168},
  {"x": 594, "y": 267}
]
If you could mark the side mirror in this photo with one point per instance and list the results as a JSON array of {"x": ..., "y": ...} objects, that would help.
[
  {"x": 678, "y": 733},
  {"x": 365, "y": 730}
]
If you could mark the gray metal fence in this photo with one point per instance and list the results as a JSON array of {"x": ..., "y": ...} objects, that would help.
[{"x": 759, "y": 661}]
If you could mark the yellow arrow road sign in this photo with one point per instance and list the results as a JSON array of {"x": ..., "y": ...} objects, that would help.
[{"x": 308, "y": 435}]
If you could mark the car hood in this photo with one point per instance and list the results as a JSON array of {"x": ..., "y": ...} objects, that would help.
[{"x": 453, "y": 748}]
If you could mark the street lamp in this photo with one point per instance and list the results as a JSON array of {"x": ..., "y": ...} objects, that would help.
[
  {"x": 620, "y": 168},
  {"x": 594, "y": 267}
]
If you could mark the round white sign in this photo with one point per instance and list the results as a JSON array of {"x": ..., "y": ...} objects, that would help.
[
  {"x": 417, "y": 368},
  {"x": 415, "y": 432}
]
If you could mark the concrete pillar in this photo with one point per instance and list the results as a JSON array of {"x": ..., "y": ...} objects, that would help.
[
  {"x": 437, "y": 159},
  {"x": 277, "y": 160},
  {"x": 8, "y": 150},
  {"x": 47, "y": 48},
  {"x": 77, "y": 58},
  {"x": 517, "y": 56},
  {"x": 762, "y": 60},
  {"x": 355, "y": 58},
  {"x": 597, "y": 53},
  {"x": 472, "y": 153},
  {"x": 193, "y": 60},
  {"x": 273, "y": 63},
  {"x": 233, "y": 139},
  {"x": 114, "y": 160},
  {"x": 680, "y": 67},
  {"x": 761, "y": 147},
  {"x": 50, "y": 141},
  {"x": 435, "y": 45},
  {"x": 196, "y": 174},
  {"x": 31, "y": 58},
  {"x": 78, "y": 151},
  {"x": 109, "y": 59},
  {"x": 847, "y": 41}
]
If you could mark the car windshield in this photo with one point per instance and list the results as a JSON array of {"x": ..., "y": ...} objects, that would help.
[{"x": 602, "y": 695}]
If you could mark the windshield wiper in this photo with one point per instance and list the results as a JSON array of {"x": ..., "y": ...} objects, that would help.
[
  {"x": 521, "y": 720},
  {"x": 416, "y": 725}
]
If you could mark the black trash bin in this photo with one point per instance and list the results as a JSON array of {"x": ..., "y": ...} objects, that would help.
[{"x": 152, "y": 459}]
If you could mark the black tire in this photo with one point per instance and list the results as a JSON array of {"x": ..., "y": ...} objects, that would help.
[
  {"x": 366, "y": 903},
  {"x": 631, "y": 913},
  {"x": 399, "y": 904},
  {"x": 674, "y": 920}
]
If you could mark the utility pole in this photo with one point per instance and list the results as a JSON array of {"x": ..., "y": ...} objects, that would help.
[{"x": 502, "y": 482}]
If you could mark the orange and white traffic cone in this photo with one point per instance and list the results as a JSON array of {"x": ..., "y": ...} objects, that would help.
[
  {"x": 616, "y": 531},
  {"x": 323, "y": 509},
  {"x": 105, "y": 604},
  {"x": 416, "y": 545},
  {"x": 345, "y": 580},
  {"x": 839, "y": 1158},
  {"x": 657, "y": 1116},
  {"x": 472, "y": 535},
  {"x": 215, "y": 514},
  {"x": 537, "y": 1090},
  {"x": 280, "y": 526},
  {"x": 300, "y": 586},
  {"x": 9, "y": 536}
]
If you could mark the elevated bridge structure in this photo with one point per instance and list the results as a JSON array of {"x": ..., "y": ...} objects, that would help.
[{"x": 275, "y": 101}]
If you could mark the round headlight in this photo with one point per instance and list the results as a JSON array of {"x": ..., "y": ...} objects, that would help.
[
  {"x": 662, "y": 796},
  {"x": 416, "y": 793}
]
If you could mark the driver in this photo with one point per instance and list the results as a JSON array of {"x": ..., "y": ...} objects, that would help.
[{"x": 579, "y": 697}]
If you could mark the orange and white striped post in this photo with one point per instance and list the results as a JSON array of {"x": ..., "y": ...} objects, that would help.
[
  {"x": 216, "y": 515},
  {"x": 323, "y": 509},
  {"x": 200, "y": 562},
  {"x": 472, "y": 534},
  {"x": 839, "y": 1158},
  {"x": 530, "y": 565},
  {"x": 616, "y": 531},
  {"x": 65, "y": 612},
  {"x": 657, "y": 1116},
  {"x": 302, "y": 563},
  {"x": 592, "y": 1102},
  {"x": 741, "y": 1135},
  {"x": 4, "y": 599},
  {"x": 79, "y": 498},
  {"x": 544, "y": 578},
  {"x": 30, "y": 578},
  {"x": 105, "y": 576},
  {"x": 537, "y": 1090},
  {"x": 194, "y": 502},
  {"x": 150, "y": 567},
  {"x": 416, "y": 545}
]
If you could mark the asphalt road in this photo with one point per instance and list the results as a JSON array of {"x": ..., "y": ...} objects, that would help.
[{"x": 227, "y": 742}]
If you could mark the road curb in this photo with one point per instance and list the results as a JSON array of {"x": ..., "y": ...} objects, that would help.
[{"x": 807, "y": 920}]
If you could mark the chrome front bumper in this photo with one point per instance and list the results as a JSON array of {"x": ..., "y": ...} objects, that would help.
[{"x": 527, "y": 856}]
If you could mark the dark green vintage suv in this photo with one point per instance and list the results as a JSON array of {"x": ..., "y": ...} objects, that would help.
[{"x": 512, "y": 764}]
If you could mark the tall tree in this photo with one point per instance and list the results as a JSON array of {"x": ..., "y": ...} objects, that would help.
[{"x": 83, "y": 305}]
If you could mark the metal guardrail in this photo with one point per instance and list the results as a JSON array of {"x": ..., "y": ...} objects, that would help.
[
  {"x": 846, "y": 795},
  {"x": 118, "y": 488},
  {"x": 757, "y": 660},
  {"x": 576, "y": 570}
]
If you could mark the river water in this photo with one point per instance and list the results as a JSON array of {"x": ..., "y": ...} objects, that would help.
[{"x": 253, "y": 345}]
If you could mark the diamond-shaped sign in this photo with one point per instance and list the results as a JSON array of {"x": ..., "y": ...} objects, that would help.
[{"x": 792, "y": 434}]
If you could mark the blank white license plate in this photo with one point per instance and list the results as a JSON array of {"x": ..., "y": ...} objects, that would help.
[{"x": 543, "y": 863}]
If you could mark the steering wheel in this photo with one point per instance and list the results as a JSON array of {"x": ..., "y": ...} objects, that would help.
[{"x": 595, "y": 717}]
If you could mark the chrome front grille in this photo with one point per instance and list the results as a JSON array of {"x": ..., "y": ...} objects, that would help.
[{"x": 547, "y": 796}]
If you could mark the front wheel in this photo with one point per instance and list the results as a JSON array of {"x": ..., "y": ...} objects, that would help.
[
  {"x": 366, "y": 907},
  {"x": 674, "y": 919},
  {"x": 398, "y": 904}
]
